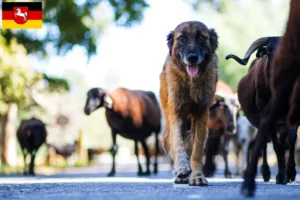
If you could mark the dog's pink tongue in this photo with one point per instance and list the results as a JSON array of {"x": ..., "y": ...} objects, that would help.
[{"x": 192, "y": 70}]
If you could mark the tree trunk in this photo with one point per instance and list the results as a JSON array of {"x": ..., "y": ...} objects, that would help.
[
  {"x": 3, "y": 120},
  {"x": 8, "y": 136}
]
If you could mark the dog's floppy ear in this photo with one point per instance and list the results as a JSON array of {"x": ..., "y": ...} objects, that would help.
[
  {"x": 170, "y": 39},
  {"x": 213, "y": 38}
]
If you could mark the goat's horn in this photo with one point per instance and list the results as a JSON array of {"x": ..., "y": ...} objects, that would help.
[{"x": 254, "y": 46}]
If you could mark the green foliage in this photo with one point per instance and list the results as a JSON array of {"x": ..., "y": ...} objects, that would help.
[
  {"x": 55, "y": 84},
  {"x": 217, "y": 5},
  {"x": 68, "y": 23},
  {"x": 238, "y": 26},
  {"x": 15, "y": 75},
  {"x": 18, "y": 80}
]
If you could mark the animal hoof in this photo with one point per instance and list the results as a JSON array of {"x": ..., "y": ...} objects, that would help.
[
  {"x": 227, "y": 174},
  {"x": 31, "y": 173},
  {"x": 182, "y": 177},
  {"x": 141, "y": 173},
  {"x": 238, "y": 173},
  {"x": 198, "y": 180},
  {"x": 208, "y": 171},
  {"x": 281, "y": 179},
  {"x": 155, "y": 169},
  {"x": 291, "y": 174},
  {"x": 111, "y": 174},
  {"x": 266, "y": 173},
  {"x": 248, "y": 188}
]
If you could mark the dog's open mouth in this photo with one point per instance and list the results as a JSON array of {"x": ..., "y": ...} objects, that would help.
[{"x": 192, "y": 70}]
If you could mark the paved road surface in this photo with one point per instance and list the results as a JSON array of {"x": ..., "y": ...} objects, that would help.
[{"x": 87, "y": 183}]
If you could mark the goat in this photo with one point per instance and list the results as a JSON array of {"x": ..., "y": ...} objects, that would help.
[
  {"x": 220, "y": 127},
  {"x": 133, "y": 114},
  {"x": 31, "y": 134},
  {"x": 284, "y": 80}
]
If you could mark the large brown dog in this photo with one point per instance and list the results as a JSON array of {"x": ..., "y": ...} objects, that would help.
[{"x": 187, "y": 86}]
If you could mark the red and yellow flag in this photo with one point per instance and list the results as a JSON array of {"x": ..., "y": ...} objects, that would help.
[{"x": 25, "y": 15}]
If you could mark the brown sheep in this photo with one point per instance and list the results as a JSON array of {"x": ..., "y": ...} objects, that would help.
[
  {"x": 133, "y": 114},
  {"x": 220, "y": 126},
  {"x": 31, "y": 135},
  {"x": 253, "y": 92},
  {"x": 284, "y": 83}
]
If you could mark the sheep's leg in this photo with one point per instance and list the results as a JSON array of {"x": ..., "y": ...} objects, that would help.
[
  {"x": 25, "y": 163},
  {"x": 227, "y": 173},
  {"x": 114, "y": 150},
  {"x": 146, "y": 151},
  {"x": 156, "y": 154},
  {"x": 265, "y": 169},
  {"x": 209, "y": 166},
  {"x": 280, "y": 153},
  {"x": 31, "y": 165},
  {"x": 268, "y": 120},
  {"x": 136, "y": 151},
  {"x": 291, "y": 166},
  {"x": 238, "y": 154},
  {"x": 245, "y": 151}
]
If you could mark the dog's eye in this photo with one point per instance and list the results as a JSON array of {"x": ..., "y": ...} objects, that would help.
[
  {"x": 202, "y": 38},
  {"x": 181, "y": 39}
]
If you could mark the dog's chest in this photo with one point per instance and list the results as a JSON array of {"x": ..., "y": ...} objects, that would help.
[{"x": 192, "y": 97}]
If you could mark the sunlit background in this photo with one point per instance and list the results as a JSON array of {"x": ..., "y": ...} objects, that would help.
[{"x": 125, "y": 56}]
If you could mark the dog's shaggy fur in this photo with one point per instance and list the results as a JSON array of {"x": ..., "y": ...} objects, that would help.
[{"x": 187, "y": 87}]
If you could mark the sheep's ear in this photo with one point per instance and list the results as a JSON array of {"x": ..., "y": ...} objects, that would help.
[
  {"x": 213, "y": 38},
  {"x": 170, "y": 39},
  {"x": 101, "y": 93}
]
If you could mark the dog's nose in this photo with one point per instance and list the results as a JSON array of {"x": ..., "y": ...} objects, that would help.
[{"x": 192, "y": 58}]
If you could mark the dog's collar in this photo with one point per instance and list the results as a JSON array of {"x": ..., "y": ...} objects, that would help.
[{"x": 108, "y": 102}]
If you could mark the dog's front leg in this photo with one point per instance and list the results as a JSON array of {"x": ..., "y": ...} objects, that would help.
[
  {"x": 199, "y": 133},
  {"x": 177, "y": 149}
]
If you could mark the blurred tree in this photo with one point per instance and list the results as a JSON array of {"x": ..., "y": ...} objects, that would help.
[
  {"x": 238, "y": 25},
  {"x": 217, "y": 5},
  {"x": 17, "y": 81},
  {"x": 72, "y": 22}
]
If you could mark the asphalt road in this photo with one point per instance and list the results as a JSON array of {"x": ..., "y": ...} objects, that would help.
[{"x": 89, "y": 183}]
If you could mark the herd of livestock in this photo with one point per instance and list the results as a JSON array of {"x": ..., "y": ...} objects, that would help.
[{"x": 264, "y": 109}]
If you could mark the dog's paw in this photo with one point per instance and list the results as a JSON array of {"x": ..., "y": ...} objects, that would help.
[
  {"x": 182, "y": 177},
  {"x": 198, "y": 179}
]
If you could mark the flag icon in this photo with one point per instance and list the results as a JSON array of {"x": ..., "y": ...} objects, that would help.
[{"x": 24, "y": 15}]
